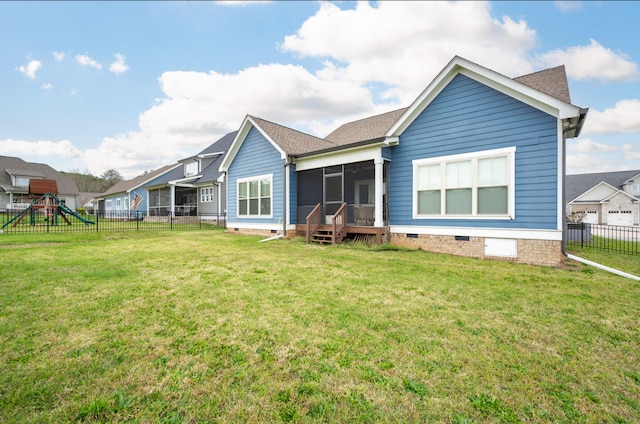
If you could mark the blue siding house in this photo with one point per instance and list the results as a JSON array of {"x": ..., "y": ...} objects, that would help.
[
  {"x": 129, "y": 198},
  {"x": 474, "y": 166}
]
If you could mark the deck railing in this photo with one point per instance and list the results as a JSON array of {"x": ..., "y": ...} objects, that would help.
[
  {"x": 313, "y": 221},
  {"x": 339, "y": 223}
]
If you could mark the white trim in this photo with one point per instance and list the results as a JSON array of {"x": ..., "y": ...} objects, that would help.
[
  {"x": 508, "y": 151},
  {"x": 601, "y": 183},
  {"x": 508, "y": 233},
  {"x": 499, "y": 82},
  {"x": 560, "y": 168},
  {"x": 257, "y": 226},
  {"x": 287, "y": 195},
  {"x": 234, "y": 148},
  {"x": 341, "y": 157}
]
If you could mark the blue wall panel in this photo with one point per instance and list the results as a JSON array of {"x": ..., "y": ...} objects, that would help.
[
  {"x": 257, "y": 156},
  {"x": 468, "y": 116}
]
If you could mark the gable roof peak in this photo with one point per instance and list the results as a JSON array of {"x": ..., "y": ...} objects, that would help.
[{"x": 551, "y": 81}]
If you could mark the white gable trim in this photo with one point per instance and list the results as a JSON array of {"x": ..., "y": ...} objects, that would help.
[
  {"x": 246, "y": 126},
  {"x": 499, "y": 82},
  {"x": 630, "y": 196},
  {"x": 601, "y": 183}
]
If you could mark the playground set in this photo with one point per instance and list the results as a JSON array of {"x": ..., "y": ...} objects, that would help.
[{"x": 43, "y": 199}]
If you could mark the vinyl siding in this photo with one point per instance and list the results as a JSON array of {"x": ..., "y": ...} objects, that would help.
[
  {"x": 256, "y": 157},
  {"x": 468, "y": 116}
]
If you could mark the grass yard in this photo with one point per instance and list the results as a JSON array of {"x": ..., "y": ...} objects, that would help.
[{"x": 203, "y": 326}]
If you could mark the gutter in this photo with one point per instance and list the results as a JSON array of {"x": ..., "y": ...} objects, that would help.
[
  {"x": 604, "y": 268},
  {"x": 340, "y": 147}
]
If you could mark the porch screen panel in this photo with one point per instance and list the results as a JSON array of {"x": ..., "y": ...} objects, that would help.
[{"x": 333, "y": 188}]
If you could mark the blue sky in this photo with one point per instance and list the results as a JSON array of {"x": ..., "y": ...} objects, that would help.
[{"x": 133, "y": 86}]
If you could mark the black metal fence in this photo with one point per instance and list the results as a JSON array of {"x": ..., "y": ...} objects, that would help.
[
  {"x": 609, "y": 238},
  {"x": 42, "y": 222}
]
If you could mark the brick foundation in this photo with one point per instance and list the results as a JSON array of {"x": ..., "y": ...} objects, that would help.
[{"x": 534, "y": 252}]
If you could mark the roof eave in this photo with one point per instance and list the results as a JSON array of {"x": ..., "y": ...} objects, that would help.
[{"x": 387, "y": 141}]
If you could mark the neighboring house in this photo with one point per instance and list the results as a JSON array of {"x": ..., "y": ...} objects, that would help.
[
  {"x": 195, "y": 187},
  {"x": 15, "y": 175},
  {"x": 130, "y": 196},
  {"x": 474, "y": 167},
  {"x": 611, "y": 198},
  {"x": 86, "y": 200}
]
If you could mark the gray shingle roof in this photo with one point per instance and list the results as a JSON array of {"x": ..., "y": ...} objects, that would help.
[
  {"x": 126, "y": 185},
  {"x": 370, "y": 128},
  {"x": 552, "y": 81},
  {"x": 211, "y": 172},
  {"x": 292, "y": 141},
  {"x": 17, "y": 166},
  {"x": 578, "y": 184}
]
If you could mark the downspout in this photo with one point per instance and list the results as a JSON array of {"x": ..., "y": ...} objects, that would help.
[{"x": 578, "y": 128}]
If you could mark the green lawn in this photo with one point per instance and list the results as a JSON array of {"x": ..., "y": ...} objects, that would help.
[{"x": 202, "y": 326}]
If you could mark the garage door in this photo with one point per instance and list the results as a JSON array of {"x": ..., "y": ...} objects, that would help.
[
  {"x": 590, "y": 217},
  {"x": 624, "y": 218}
]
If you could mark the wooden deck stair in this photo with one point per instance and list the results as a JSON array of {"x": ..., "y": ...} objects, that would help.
[
  {"x": 324, "y": 235},
  {"x": 335, "y": 232}
]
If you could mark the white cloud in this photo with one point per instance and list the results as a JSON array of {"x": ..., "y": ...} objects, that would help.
[
  {"x": 44, "y": 148},
  {"x": 624, "y": 117},
  {"x": 631, "y": 152},
  {"x": 46, "y": 86},
  {"x": 399, "y": 46},
  {"x": 593, "y": 62},
  {"x": 568, "y": 6},
  {"x": 59, "y": 56},
  {"x": 85, "y": 60},
  {"x": 378, "y": 43},
  {"x": 119, "y": 66},
  {"x": 586, "y": 145},
  {"x": 30, "y": 68}
]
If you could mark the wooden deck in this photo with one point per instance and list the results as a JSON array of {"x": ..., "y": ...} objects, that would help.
[{"x": 353, "y": 232}]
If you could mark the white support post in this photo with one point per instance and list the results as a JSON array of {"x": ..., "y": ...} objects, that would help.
[
  {"x": 378, "y": 191},
  {"x": 172, "y": 200}
]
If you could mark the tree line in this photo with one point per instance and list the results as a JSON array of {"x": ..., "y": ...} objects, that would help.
[{"x": 86, "y": 182}]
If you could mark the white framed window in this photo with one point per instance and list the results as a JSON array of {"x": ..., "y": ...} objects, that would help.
[
  {"x": 206, "y": 194},
  {"x": 108, "y": 204},
  {"x": 479, "y": 185},
  {"x": 255, "y": 196},
  {"x": 190, "y": 168},
  {"x": 22, "y": 182},
  {"x": 118, "y": 202}
]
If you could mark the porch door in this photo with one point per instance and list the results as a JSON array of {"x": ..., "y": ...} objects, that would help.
[{"x": 333, "y": 189}]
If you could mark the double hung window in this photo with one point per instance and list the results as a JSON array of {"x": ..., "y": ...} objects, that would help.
[
  {"x": 206, "y": 194},
  {"x": 479, "y": 184},
  {"x": 255, "y": 196}
]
